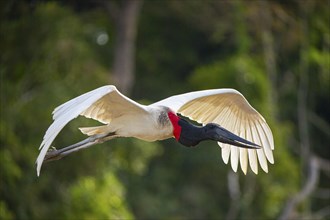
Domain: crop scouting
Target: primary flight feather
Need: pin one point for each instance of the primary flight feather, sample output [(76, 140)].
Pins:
[(226, 116)]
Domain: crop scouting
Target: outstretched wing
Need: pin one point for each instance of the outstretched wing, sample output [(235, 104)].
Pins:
[(102, 104), (229, 108)]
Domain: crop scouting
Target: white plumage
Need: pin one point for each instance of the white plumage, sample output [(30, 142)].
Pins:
[(127, 118)]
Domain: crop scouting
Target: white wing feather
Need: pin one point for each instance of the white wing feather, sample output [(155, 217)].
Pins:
[(102, 104), (231, 110)]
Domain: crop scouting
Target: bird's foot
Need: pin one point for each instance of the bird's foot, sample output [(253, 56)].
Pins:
[(52, 148)]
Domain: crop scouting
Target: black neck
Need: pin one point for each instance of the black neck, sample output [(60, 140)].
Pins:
[(191, 134)]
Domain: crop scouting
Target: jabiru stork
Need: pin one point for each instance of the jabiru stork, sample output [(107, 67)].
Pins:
[(247, 140)]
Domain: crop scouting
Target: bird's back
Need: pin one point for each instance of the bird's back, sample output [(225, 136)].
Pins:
[(151, 125)]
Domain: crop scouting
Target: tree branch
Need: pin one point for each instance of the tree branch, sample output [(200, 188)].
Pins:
[(112, 9), (319, 123), (234, 194), (269, 53), (309, 187), (124, 58)]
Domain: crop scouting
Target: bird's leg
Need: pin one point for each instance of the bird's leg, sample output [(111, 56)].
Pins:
[(90, 141)]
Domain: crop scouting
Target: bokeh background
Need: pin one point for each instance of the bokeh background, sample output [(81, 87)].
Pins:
[(275, 52)]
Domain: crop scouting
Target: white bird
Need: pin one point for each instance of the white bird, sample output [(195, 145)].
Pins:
[(124, 117)]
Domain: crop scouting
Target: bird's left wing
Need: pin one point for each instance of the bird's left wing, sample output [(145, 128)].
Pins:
[(102, 104), (228, 108)]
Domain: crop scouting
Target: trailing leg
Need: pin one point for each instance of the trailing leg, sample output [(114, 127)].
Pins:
[(90, 141)]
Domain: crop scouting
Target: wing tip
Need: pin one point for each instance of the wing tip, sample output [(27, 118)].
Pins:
[(38, 167), (61, 118), (225, 152)]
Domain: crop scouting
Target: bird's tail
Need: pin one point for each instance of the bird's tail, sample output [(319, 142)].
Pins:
[(95, 130)]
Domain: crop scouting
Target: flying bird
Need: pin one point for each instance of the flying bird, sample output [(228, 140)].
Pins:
[(224, 114)]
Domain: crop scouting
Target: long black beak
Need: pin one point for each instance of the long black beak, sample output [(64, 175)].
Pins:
[(222, 135)]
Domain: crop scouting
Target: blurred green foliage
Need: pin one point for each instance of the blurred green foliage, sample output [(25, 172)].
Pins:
[(92, 198), (49, 54)]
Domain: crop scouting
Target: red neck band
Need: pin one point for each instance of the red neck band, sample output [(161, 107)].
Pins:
[(175, 123)]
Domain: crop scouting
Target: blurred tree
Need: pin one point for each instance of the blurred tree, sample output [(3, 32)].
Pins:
[(44, 62), (125, 14), (96, 199), (240, 62), (51, 52)]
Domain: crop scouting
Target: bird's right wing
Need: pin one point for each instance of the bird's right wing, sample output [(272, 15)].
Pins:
[(102, 104), (228, 108)]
